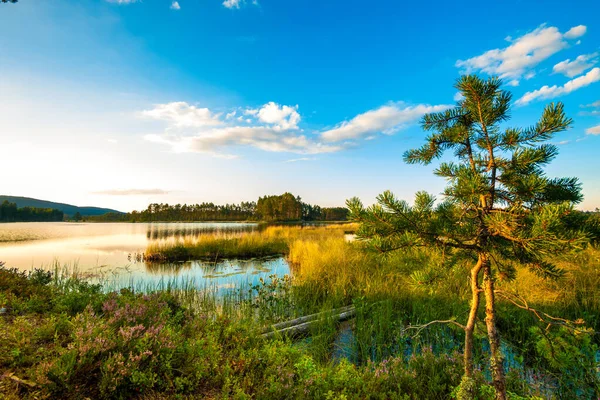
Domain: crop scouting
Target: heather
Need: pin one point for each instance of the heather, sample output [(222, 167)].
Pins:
[(63, 337), (84, 343)]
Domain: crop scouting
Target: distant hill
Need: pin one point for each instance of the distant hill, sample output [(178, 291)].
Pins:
[(68, 209)]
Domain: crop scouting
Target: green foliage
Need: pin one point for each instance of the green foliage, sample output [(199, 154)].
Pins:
[(587, 222), (497, 199), (271, 298), (215, 249), (10, 213), (285, 207), (194, 212), (76, 295), (95, 345), (571, 359), (277, 208), (499, 207), (140, 344), (21, 292)]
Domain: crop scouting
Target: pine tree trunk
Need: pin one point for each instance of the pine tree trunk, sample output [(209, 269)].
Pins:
[(470, 326), (496, 359), (468, 388)]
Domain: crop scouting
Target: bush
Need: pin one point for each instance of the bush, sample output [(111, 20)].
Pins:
[(21, 293), (133, 346)]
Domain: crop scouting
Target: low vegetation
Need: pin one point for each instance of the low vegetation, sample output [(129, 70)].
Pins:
[(271, 241), (68, 339), (61, 337)]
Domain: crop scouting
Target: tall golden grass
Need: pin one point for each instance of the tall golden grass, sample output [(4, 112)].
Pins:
[(274, 240), (327, 268)]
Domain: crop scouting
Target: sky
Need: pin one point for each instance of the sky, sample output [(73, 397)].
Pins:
[(119, 103)]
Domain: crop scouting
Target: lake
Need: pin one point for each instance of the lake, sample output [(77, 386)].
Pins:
[(106, 251)]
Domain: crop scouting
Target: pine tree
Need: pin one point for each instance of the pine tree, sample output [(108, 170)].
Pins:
[(499, 208)]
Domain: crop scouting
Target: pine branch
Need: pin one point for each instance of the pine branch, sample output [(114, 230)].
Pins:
[(521, 302), (420, 328)]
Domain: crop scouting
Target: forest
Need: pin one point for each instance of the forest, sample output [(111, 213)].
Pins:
[(9, 212), (276, 208)]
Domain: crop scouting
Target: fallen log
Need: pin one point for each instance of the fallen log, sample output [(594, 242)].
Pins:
[(300, 327), (281, 325), (15, 378)]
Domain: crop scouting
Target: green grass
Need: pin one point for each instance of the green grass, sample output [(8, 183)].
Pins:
[(213, 348), (214, 249), (64, 338), (272, 241)]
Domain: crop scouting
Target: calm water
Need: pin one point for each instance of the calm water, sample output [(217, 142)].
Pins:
[(105, 251)]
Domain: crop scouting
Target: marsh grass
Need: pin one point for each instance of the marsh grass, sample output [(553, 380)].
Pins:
[(415, 287), (271, 241), (389, 294)]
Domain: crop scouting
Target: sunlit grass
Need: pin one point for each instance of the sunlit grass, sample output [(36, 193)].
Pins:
[(389, 293), (272, 241)]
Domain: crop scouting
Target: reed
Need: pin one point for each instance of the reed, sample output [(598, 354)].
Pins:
[(388, 293), (415, 287), (272, 241)]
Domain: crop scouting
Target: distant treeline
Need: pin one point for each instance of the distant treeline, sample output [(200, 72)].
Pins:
[(9, 212), (285, 207)]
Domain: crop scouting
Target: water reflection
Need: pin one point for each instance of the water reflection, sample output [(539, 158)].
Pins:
[(95, 245), (181, 231), (213, 269), (102, 251), (221, 276)]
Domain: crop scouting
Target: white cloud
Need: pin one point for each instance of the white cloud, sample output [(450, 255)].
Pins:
[(576, 67), (387, 119), (122, 1), (265, 138), (283, 117), (548, 92), (272, 127), (175, 6), (576, 31), (132, 192), (524, 53), (181, 114), (458, 96), (592, 105), (300, 159), (232, 3), (593, 112), (594, 130), (595, 105)]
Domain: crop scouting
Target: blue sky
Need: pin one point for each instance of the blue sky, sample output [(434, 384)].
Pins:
[(122, 103)]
